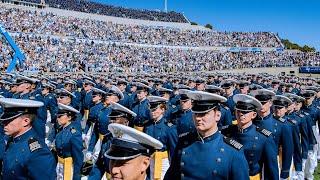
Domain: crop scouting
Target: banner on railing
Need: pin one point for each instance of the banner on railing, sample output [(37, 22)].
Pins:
[(310, 69)]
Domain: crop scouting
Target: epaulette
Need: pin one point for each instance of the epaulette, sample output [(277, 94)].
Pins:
[(292, 121), (264, 131), (282, 120), (225, 127), (233, 143), (301, 115), (169, 124), (318, 107), (183, 134), (37, 94), (73, 130), (307, 114), (34, 144), (32, 98)]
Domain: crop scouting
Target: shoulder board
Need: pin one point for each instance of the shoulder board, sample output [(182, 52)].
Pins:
[(225, 127), (306, 113), (32, 97), (73, 130), (235, 144), (169, 124), (183, 134), (173, 106), (50, 97), (292, 121), (37, 94), (318, 107), (226, 107), (301, 115), (34, 144), (264, 131), (282, 120)]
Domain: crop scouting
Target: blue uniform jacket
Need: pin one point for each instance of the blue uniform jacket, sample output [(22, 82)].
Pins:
[(259, 149), (214, 157), (28, 158), (282, 135), (165, 133), (143, 113), (69, 144)]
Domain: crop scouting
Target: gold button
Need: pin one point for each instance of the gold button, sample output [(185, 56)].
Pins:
[(221, 150), (219, 160), (183, 152), (256, 138)]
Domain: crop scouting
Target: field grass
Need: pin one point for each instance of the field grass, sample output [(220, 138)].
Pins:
[(317, 173)]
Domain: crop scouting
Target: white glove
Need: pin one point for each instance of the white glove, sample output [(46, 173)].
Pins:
[(300, 175), (88, 156)]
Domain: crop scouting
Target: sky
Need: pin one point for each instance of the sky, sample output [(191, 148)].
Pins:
[(296, 20)]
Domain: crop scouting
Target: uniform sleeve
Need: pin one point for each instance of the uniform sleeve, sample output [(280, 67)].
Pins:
[(53, 108), (77, 155), (173, 172), (269, 159), (239, 167), (41, 165), (287, 150), (304, 137), (172, 140)]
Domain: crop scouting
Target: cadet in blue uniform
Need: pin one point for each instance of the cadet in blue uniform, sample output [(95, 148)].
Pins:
[(76, 100), (280, 104), (184, 121), (159, 128), (68, 145), (171, 108), (25, 155), (97, 98), (310, 111), (113, 96), (87, 98), (122, 84), (141, 108), (120, 115), (24, 87), (130, 152), (281, 131), (227, 85), (259, 147), (207, 154), (299, 134)]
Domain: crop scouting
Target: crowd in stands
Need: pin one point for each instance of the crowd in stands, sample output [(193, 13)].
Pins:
[(16, 20), (108, 10), (59, 55), (59, 44)]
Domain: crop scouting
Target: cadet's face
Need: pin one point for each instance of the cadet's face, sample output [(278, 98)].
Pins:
[(112, 98), (141, 95), (206, 121), (228, 91), (244, 117), (280, 112), (45, 91), (185, 105), (265, 107), (66, 100), (87, 87), (23, 87), (244, 90), (14, 127), (200, 86), (63, 119), (96, 98), (120, 120), (298, 106), (133, 88), (155, 114), (133, 169)]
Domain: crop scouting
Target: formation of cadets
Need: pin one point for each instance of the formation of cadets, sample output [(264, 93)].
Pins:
[(155, 126)]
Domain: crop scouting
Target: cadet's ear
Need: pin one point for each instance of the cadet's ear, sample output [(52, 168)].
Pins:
[(145, 163), (254, 115)]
